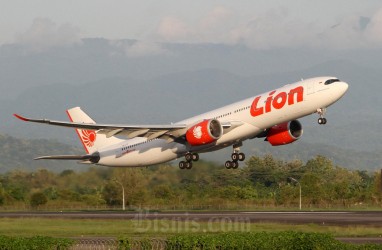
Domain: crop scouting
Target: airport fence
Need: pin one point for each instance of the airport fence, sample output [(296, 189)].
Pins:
[(111, 244), (94, 243)]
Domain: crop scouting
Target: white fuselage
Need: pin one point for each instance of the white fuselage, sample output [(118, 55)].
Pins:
[(255, 114)]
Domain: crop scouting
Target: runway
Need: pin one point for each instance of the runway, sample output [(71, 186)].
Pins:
[(321, 218)]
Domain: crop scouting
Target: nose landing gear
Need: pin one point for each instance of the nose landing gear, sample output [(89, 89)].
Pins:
[(322, 119)]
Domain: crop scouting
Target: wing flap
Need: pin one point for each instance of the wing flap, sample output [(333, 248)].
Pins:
[(113, 132), (156, 134)]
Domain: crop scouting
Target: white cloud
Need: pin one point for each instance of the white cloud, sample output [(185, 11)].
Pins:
[(216, 17), (173, 29), (210, 28), (139, 48), (271, 29), (275, 28), (214, 26), (346, 34), (44, 34), (373, 30)]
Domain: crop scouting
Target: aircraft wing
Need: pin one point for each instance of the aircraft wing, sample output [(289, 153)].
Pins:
[(168, 132)]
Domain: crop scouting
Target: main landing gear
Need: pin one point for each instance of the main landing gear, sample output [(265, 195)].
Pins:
[(322, 119), (190, 157), (236, 157)]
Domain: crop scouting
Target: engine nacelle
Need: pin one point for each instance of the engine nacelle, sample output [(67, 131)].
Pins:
[(284, 133), (204, 132)]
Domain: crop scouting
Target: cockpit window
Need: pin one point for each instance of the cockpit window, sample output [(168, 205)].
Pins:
[(330, 81)]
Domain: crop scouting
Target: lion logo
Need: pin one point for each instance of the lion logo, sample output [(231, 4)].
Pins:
[(197, 132), (88, 137)]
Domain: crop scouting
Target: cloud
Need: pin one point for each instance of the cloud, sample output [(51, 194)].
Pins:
[(353, 32), (274, 28), (373, 30), (347, 34), (173, 29), (216, 18), (144, 48), (212, 27), (44, 34), (139, 48)]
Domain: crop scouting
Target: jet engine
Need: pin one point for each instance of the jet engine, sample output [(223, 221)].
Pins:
[(284, 133), (204, 132)]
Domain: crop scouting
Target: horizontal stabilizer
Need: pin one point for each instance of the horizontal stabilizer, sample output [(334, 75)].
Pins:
[(94, 158)]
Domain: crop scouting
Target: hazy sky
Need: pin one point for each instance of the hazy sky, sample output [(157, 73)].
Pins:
[(256, 23)]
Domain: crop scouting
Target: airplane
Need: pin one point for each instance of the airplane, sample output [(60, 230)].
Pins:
[(272, 115)]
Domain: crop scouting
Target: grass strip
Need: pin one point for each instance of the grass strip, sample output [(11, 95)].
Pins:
[(28, 227)]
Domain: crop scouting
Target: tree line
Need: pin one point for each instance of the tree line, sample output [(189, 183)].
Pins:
[(262, 181)]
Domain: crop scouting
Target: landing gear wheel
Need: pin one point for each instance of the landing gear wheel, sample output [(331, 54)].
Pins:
[(188, 157), (188, 165), (322, 121), (235, 157), (231, 164), (241, 156), (191, 157), (195, 157), (182, 164), (228, 164), (235, 165)]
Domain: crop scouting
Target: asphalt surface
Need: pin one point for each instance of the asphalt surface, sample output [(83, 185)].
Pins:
[(321, 218)]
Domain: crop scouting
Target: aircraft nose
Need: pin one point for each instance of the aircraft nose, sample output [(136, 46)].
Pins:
[(344, 86), (340, 89)]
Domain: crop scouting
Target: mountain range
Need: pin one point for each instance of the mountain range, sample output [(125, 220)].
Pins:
[(18, 154)]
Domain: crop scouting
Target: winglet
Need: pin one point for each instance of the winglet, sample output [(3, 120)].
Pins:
[(21, 118)]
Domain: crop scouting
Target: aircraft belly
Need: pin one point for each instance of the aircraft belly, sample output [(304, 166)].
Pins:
[(144, 156)]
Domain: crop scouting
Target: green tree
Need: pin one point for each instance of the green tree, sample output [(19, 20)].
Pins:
[(319, 165), (163, 192), (38, 199), (377, 191), (112, 194), (2, 196), (134, 181)]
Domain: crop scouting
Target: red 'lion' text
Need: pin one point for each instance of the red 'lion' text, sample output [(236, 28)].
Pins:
[(278, 101)]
